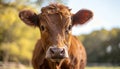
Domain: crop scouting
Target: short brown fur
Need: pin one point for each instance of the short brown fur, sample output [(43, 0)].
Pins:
[(55, 22)]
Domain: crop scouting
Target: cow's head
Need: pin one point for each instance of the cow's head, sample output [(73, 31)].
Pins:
[(55, 22)]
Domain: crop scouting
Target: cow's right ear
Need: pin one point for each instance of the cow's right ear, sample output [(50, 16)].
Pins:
[(82, 16), (29, 17)]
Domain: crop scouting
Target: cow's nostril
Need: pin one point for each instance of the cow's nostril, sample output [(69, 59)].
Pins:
[(62, 51), (52, 51)]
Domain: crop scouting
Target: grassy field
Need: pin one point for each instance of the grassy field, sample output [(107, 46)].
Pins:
[(102, 67), (95, 67)]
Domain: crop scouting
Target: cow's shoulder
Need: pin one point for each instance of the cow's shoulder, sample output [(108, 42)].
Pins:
[(77, 53), (38, 54)]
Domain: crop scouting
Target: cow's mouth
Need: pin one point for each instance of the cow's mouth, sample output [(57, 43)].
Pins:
[(57, 61)]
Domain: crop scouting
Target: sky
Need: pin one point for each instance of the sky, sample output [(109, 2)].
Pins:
[(106, 14)]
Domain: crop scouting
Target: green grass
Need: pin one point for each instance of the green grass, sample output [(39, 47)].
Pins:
[(29, 67), (102, 67)]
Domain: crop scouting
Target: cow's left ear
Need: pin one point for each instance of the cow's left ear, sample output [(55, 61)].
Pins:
[(29, 17), (81, 17)]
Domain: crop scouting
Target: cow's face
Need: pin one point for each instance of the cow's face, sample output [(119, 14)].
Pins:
[(55, 23)]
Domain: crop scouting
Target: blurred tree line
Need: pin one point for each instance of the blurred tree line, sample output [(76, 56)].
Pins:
[(102, 46), (17, 40)]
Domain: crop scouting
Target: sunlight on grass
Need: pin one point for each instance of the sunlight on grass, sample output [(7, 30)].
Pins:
[(102, 67), (29, 68)]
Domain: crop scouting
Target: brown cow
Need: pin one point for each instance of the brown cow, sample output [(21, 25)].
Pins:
[(57, 48)]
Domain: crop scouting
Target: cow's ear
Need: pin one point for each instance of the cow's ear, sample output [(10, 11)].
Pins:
[(29, 17), (82, 16)]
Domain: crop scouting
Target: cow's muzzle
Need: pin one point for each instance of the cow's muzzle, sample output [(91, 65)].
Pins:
[(57, 54)]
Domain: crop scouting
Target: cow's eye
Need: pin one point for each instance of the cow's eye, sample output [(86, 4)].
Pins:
[(69, 27), (42, 28)]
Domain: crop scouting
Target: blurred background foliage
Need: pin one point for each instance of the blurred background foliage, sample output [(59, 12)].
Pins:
[(17, 40), (102, 46)]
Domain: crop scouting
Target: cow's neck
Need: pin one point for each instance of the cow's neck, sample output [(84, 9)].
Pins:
[(58, 65), (55, 65)]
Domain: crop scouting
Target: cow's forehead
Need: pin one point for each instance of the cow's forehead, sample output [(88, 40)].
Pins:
[(56, 8), (56, 15)]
